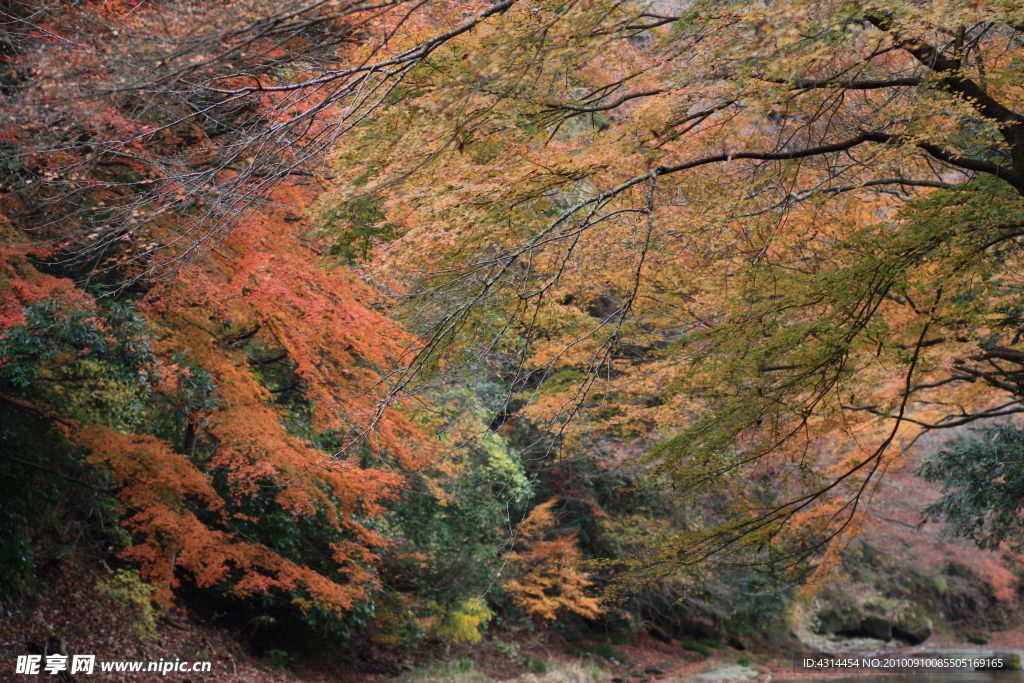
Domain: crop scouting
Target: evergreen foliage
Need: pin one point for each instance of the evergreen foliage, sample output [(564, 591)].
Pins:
[(982, 476)]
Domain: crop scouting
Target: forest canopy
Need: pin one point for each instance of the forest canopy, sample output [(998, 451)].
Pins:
[(340, 308), (775, 241)]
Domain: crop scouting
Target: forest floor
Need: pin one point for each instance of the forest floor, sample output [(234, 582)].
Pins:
[(68, 615)]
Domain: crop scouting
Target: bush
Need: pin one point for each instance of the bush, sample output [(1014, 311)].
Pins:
[(130, 594), (534, 665)]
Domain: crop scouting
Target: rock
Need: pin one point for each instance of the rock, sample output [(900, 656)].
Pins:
[(729, 673), (839, 620), (876, 627), (912, 628), (875, 620)]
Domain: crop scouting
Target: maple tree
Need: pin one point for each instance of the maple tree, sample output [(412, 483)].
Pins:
[(234, 409), (551, 580), (171, 323), (148, 132), (218, 479), (777, 241)]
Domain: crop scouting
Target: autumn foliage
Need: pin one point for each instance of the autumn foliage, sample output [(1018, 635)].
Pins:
[(239, 415), (550, 579), (771, 242), (328, 295), (226, 444), (204, 353)]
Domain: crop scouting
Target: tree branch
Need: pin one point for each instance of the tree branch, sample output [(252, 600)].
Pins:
[(952, 79), (605, 107), (58, 472), (766, 156), (852, 84), (32, 410), (966, 163)]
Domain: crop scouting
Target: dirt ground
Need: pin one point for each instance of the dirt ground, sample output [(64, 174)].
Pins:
[(65, 617)]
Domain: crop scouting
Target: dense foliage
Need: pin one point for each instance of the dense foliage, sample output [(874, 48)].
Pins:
[(176, 358), (766, 244), (983, 485), (386, 316)]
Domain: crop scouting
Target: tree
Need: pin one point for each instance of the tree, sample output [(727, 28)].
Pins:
[(751, 233), (210, 403), (148, 133), (207, 401), (983, 486), (549, 580), (738, 236), (235, 410)]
